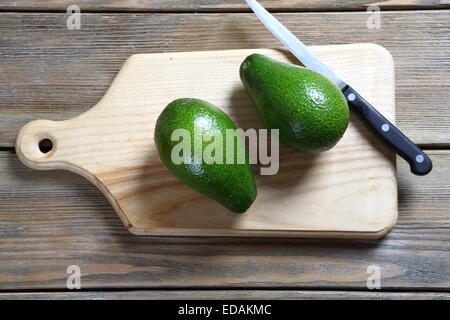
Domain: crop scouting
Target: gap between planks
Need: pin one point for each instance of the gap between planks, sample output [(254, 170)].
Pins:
[(206, 6), (243, 10), (225, 294)]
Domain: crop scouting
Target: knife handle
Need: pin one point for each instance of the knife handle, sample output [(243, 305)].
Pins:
[(419, 162)]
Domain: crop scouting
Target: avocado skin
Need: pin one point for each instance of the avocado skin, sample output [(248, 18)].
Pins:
[(309, 110), (232, 185)]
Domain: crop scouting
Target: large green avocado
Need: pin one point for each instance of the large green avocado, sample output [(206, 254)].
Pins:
[(230, 184), (309, 110)]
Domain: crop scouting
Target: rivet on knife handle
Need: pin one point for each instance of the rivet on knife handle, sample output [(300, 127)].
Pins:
[(419, 162)]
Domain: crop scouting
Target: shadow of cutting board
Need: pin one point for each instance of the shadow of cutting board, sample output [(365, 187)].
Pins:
[(349, 191)]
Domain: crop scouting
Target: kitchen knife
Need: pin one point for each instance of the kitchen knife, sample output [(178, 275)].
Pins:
[(419, 162)]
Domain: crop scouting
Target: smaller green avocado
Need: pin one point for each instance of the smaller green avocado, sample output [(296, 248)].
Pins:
[(309, 110), (231, 183)]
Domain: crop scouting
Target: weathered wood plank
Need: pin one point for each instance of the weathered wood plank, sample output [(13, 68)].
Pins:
[(48, 71), (225, 294), (52, 219), (212, 5)]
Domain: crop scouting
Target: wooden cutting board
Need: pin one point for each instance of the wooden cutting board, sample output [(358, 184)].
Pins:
[(349, 191)]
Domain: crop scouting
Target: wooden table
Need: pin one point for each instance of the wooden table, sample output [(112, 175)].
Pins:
[(51, 220)]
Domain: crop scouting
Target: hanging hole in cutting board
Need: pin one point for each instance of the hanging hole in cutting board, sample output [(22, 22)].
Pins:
[(45, 145)]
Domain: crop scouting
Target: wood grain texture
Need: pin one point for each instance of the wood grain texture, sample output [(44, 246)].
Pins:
[(226, 295), (334, 194), (212, 5), (50, 220), (51, 72)]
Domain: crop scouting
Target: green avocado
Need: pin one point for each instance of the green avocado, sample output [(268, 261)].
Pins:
[(188, 153), (309, 110)]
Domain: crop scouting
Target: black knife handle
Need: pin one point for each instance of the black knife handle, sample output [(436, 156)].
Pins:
[(419, 162)]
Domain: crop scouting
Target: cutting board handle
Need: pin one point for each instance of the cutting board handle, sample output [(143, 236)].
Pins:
[(37, 144)]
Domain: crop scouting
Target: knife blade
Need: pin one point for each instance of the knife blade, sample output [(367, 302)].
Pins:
[(419, 162)]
